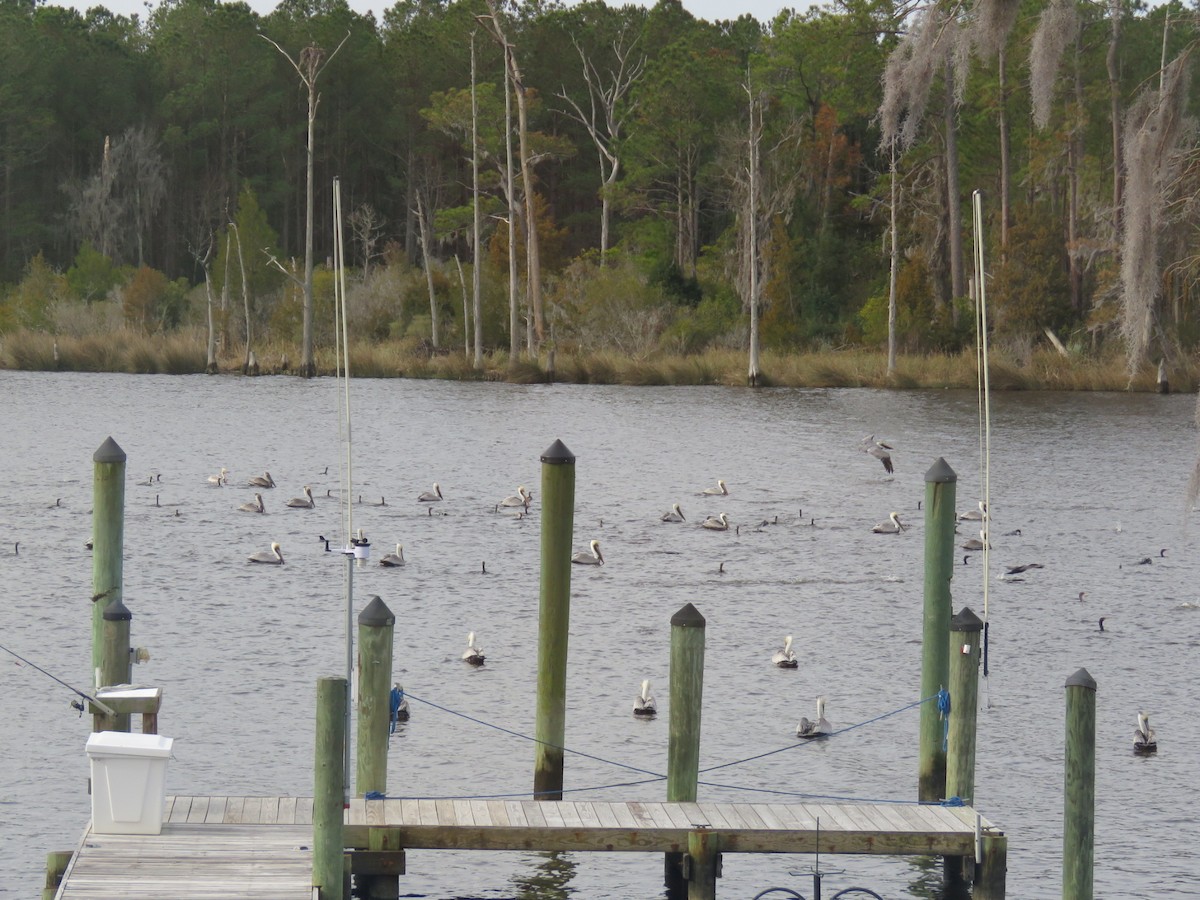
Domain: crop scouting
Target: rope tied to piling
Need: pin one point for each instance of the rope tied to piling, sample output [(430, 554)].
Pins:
[(395, 701), (943, 705)]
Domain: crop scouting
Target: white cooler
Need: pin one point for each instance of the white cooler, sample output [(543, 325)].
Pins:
[(129, 773)]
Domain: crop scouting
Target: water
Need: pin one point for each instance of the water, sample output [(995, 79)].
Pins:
[(1095, 483)]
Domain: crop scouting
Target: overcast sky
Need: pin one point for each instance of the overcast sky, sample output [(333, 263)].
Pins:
[(762, 10)]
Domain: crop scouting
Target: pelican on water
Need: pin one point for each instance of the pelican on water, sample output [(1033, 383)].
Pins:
[(256, 506), (264, 480), (719, 491), (974, 515), (592, 558), (1144, 740), (521, 498), (393, 560), (473, 654), (305, 502), (892, 526), (674, 514), (273, 557), (643, 703), (879, 450), (819, 728), (785, 658), (430, 496), (974, 543), (220, 478), (716, 523)]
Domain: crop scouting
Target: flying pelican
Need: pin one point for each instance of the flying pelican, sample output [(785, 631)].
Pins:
[(785, 658), (817, 729), (719, 491), (892, 526), (974, 515), (1017, 570), (272, 558), (594, 558), (430, 496), (264, 480), (305, 502), (974, 543), (716, 523), (879, 450), (220, 478), (674, 514), (256, 506), (643, 703), (521, 498), (473, 654), (1144, 740), (393, 560)]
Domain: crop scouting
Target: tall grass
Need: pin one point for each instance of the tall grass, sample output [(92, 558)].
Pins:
[(184, 352)]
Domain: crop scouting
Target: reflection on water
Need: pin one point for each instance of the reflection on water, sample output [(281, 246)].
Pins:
[(548, 879)]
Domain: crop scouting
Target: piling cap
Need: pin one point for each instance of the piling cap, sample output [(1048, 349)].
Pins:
[(941, 473), (688, 617), (109, 452), (1082, 679), (376, 614), (117, 612), (557, 454), (966, 621)]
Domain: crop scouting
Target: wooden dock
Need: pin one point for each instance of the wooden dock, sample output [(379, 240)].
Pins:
[(260, 847)]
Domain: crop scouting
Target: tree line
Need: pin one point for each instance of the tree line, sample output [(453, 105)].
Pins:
[(605, 177)]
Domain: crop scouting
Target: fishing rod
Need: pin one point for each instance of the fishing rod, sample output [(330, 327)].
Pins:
[(108, 711)]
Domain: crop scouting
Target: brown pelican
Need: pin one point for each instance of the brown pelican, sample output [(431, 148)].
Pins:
[(674, 514), (392, 560), (817, 729), (220, 478), (264, 480), (785, 658), (643, 703), (974, 543), (305, 502), (1017, 570), (719, 491), (430, 496), (716, 523), (256, 506), (1144, 740), (272, 558), (521, 498), (592, 558), (473, 654), (892, 526), (974, 515), (879, 450)]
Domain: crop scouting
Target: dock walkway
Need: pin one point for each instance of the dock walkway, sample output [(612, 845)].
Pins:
[(259, 848)]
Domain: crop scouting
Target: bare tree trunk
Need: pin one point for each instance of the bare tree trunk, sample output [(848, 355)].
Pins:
[(1074, 158), (533, 262), (1005, 154), (246, 366), (1114, 92), (427, 261), (893, 267), (466, 310), (514, 345), (225, 290), (477, 293), (752, 250), (958, 280)]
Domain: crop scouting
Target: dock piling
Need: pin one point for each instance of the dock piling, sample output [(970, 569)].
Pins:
[(1079, 802), (703, 864), (965, 630), (116, 663), (683, 743), (108, 538), (992, 871), (376, 627), (327, 821), (558, 520), (940, 490)]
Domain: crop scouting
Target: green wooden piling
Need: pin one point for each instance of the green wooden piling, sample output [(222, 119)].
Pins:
[(703, 865), (328, 846), (1079, 807), (108, 537), (558, 519), (965, 631), (683, 743), (993, 868), (376, 626), (116, 664), (940, 488), (56, 866)]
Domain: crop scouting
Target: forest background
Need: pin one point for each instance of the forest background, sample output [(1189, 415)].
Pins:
[(650, 187)]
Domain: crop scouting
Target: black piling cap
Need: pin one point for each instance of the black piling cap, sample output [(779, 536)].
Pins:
[(688, 617), (117, 612), (966, 621), (557, 454), (109, 452), (1082, 679), (941, 473), (376, 614)]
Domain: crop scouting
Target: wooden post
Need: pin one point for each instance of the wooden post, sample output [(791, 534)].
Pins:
[(328, 846), (56, 866), (1079, 807), (965, 629), (558, 521), (993, 866), (703, 864), (683, 745), (115, 662), (376, 626), (940, 487), (108, 537)]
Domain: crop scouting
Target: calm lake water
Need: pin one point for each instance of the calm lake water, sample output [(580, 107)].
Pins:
[(1095, 483)]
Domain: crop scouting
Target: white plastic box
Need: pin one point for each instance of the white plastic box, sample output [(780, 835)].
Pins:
[(129, 774)]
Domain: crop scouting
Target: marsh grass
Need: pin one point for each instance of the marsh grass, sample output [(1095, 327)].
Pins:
[(184, 353)]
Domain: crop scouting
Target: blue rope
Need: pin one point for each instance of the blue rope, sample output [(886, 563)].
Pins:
[(943, 702), (395, 701)]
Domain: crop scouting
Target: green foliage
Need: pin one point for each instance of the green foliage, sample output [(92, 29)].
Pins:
[(1028, 291), (614, 306), (150, 302), (93, 274), (29, 304)]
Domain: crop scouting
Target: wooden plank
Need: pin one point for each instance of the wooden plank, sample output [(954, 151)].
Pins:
[(393, 812), (623, 815), (605, 817), (198, 810), (481, 813), (252, 811), (642, 815), (216, 810), (427, 812), (507, 812), (287, 811), (552, 812), (410, 811), (445, 812), (570, 815), (588, 817), (534, 816), (677, 814), (233, 810), (180, 809), (766, 814), (462, 813)]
